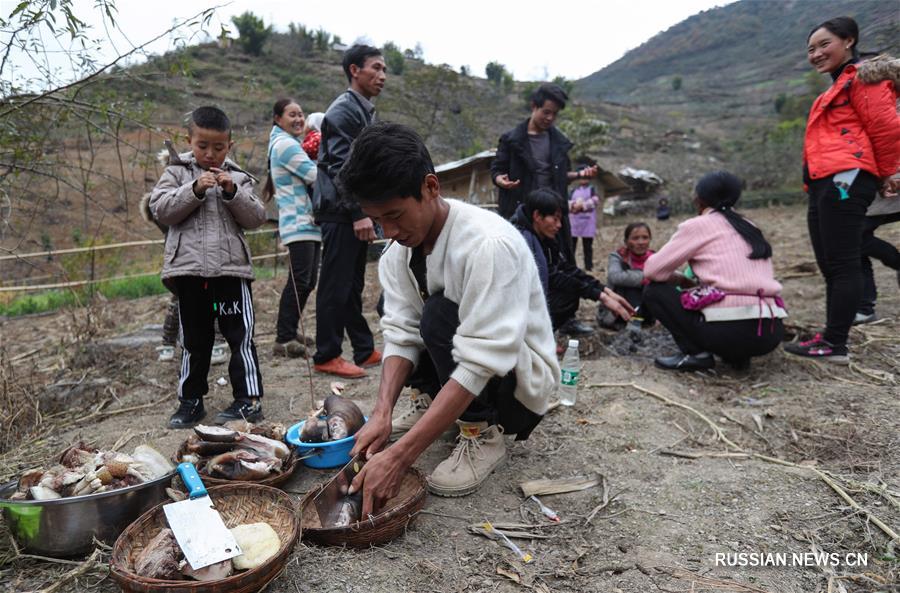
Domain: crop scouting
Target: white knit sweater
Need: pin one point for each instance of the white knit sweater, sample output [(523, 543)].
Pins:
[(482, 263)]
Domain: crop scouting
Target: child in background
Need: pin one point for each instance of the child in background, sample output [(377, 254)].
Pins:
[(583, 218), (662, 210), (206, 201), (313, 136)]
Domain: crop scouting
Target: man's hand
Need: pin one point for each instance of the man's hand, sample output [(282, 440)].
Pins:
[(616, 303), (373, 436), (364, 229), (206, 180), (379, 481), (503, 182), (223, 178)]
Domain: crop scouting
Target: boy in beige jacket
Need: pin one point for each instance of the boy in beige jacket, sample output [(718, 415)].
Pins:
[(206, 200)]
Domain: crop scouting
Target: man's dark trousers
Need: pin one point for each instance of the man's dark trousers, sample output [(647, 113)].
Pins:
[(496, 404), (339, 298)]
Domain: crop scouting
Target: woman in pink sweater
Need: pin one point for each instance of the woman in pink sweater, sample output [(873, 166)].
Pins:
[(736, 311)]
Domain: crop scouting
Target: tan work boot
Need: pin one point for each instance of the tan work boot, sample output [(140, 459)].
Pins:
[(480, 449), (418, 403)]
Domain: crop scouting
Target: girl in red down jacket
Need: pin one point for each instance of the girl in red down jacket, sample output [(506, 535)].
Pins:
[(851, 149)]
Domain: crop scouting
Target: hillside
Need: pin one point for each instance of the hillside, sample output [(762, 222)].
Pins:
[(735, 59)]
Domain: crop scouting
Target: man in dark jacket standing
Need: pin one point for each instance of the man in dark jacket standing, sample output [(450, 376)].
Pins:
[(346, 231), (535, 154)]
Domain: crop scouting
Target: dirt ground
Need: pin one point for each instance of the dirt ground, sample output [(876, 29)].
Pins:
[(676, 500)]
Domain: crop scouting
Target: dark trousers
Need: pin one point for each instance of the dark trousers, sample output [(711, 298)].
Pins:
[(836, 232), (496, 404), (562, 307), (202, 302), (733, 341), (881, 250), (587, 246), (304, 262), (339, 298)]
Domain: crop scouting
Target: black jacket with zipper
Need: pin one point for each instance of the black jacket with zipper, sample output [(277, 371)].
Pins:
[(344, 120), (514, 159)]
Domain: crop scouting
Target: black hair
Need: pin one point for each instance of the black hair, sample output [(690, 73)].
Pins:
[(544, 201), (386, 161), (549, 92), (209, 117), (280, 105), (268, 191), (358, 54), (637, 225), (843, 27), (720, 191)]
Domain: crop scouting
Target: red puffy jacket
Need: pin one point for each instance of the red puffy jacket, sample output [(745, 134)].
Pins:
[(854, 124)]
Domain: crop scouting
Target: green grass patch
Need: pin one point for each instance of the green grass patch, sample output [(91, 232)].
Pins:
[(51, 300), (124, 289)]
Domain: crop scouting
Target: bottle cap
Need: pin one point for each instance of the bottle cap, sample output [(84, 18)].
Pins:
[(573, 343)]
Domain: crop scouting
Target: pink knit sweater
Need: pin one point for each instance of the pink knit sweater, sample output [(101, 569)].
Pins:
[(718, 256)]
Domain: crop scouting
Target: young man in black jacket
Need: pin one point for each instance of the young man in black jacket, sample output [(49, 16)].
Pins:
[(539, 219), (534, 155), (346, 231)]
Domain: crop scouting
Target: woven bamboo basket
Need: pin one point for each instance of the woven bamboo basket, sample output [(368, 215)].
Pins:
[(275, 480), (399, 512), (238, 503)]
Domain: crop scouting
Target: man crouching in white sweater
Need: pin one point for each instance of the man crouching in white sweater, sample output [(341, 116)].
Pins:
[(465, 319)]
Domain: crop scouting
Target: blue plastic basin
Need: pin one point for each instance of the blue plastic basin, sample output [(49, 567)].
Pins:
[(330, 453)]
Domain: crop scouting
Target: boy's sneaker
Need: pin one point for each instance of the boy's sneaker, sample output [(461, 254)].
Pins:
[(418, 403), (863, 318), (479, 451), (219, 355), (241, 409), (166, 353), (820, 349), (190, 413)]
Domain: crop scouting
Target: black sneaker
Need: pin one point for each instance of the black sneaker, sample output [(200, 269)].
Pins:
[(190, 413), (240, 409), (573, 327), (820, 349), (686, 362)]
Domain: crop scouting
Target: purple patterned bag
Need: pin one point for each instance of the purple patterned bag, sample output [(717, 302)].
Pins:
[(700, 297)]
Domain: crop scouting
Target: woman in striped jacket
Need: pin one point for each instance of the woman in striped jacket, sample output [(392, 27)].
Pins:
[(291, 175)]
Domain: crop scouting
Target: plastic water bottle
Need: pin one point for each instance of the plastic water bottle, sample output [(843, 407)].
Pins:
[(571, 368)]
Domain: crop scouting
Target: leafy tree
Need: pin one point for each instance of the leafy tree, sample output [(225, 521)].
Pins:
[(253, 32), (101, 145), (393, 58), (588, 132), (433, 100), (494, 72), (464, 70), (322, 40), (676, 83)]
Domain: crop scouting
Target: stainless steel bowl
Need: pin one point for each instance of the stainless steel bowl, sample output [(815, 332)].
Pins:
[(65, 527)]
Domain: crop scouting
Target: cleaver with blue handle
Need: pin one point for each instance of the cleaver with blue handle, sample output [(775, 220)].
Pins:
[(197, 525)]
